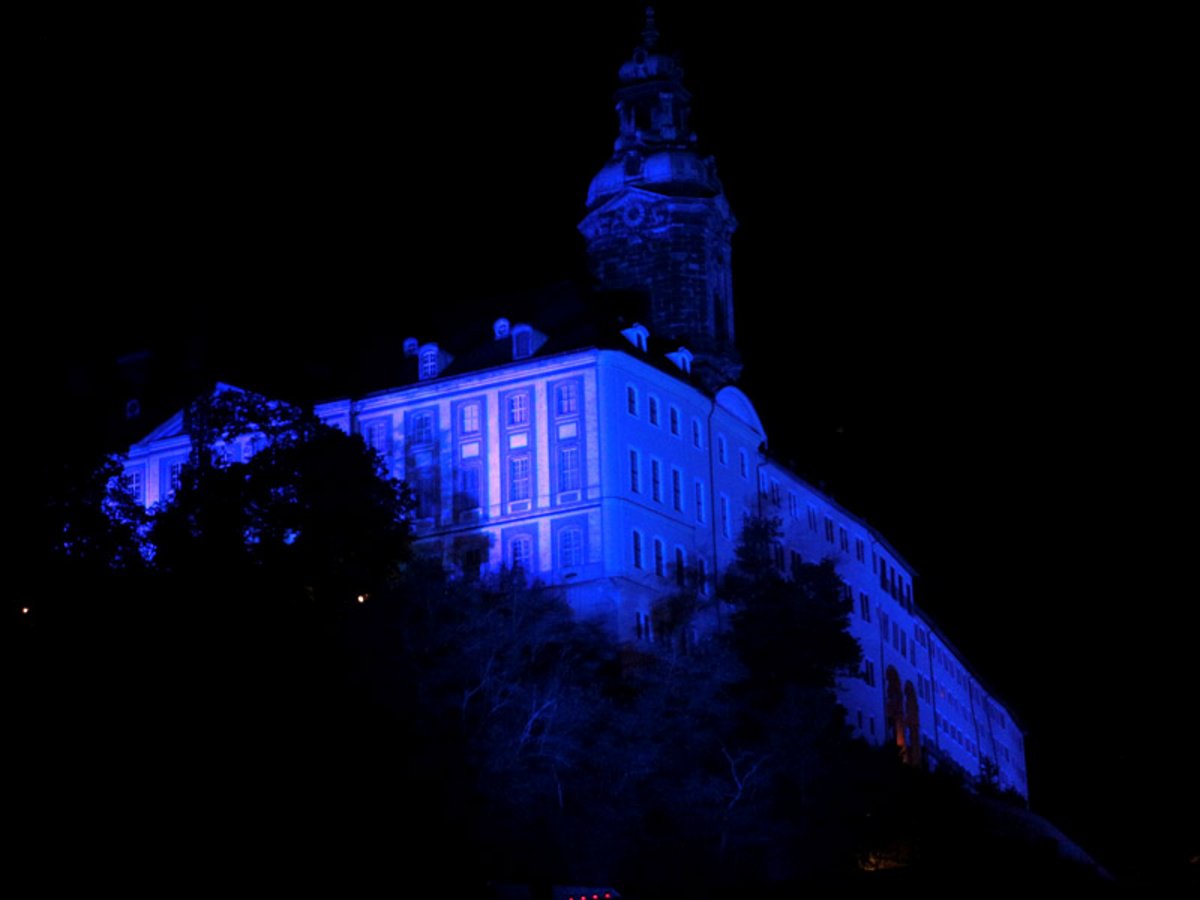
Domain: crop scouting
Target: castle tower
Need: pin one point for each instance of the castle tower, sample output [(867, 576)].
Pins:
[(657, 219)]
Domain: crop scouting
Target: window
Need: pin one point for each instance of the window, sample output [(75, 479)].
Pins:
[(518, 409), (568, 468), (521, 552), (660, 563), (136, 481), (812, 518), (644, 628), (744, 462), (702, 574), (829, 529), (674, 419), (635, 472), (869, 673), (776, 497), (470, 418), (843, 540), (637, 550), (872, 726), (864, 607), (631, 400), (793, 505), (429, 362), (725, 516), (468, 488), (653, 410), (860, 550), (680, 566), (567, 399), (696, 441), (375, 434), (422, 428), (656, 480), (883, 574), (570, 547), (518, 478), (677, 490), (699, 501), (904, 643), (722, 456)]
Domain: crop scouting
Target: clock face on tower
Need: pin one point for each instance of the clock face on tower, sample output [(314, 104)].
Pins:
[(635, 213)]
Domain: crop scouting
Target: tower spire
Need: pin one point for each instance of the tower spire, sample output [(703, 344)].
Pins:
[(650, 32), (657, 221)]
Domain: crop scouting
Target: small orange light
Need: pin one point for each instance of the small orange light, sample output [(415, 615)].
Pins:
[(362, 598), (24, 610)]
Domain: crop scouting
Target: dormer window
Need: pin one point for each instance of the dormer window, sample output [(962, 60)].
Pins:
[(410, 346), (637, 335), (683, 359), (500, 329), (522, 337), (429, 362)]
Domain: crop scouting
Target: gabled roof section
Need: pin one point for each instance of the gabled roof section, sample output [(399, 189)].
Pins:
[(737, 404), (174, 426)]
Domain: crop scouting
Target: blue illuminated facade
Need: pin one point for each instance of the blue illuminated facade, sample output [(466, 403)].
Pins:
[(618, 465)]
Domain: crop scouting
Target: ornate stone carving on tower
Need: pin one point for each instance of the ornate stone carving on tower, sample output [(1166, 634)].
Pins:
[(657, 219)]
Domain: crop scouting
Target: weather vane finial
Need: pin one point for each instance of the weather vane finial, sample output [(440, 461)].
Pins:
[(650, 32)]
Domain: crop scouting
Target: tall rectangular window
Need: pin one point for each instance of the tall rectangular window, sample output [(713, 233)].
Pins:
[(468, 488), (137, 484), (522, 552), (653, 410), (697, 440), (570, 547), (519, 483), (864, 607), (660, 562), (568, 468), (677, 490), (869, 672), (829, 529), (631, 400), (722, 454), (744, 463), (725, 530), (702, 574), (518, 409), (422, 428), (793, 505), (375, 434), (470, 418), (674, 416), (635, 466), (656, 480), (680, 567), (843, 540), (859, 550), (567, 402), (812, 518), (699, 501), (637, 549)]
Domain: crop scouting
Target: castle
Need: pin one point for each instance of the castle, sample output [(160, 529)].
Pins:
[(610, 453)]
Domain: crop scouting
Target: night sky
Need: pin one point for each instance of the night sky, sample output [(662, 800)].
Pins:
[(950, 283)]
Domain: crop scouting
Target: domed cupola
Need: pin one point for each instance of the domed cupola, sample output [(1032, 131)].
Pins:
[(657, 217)]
